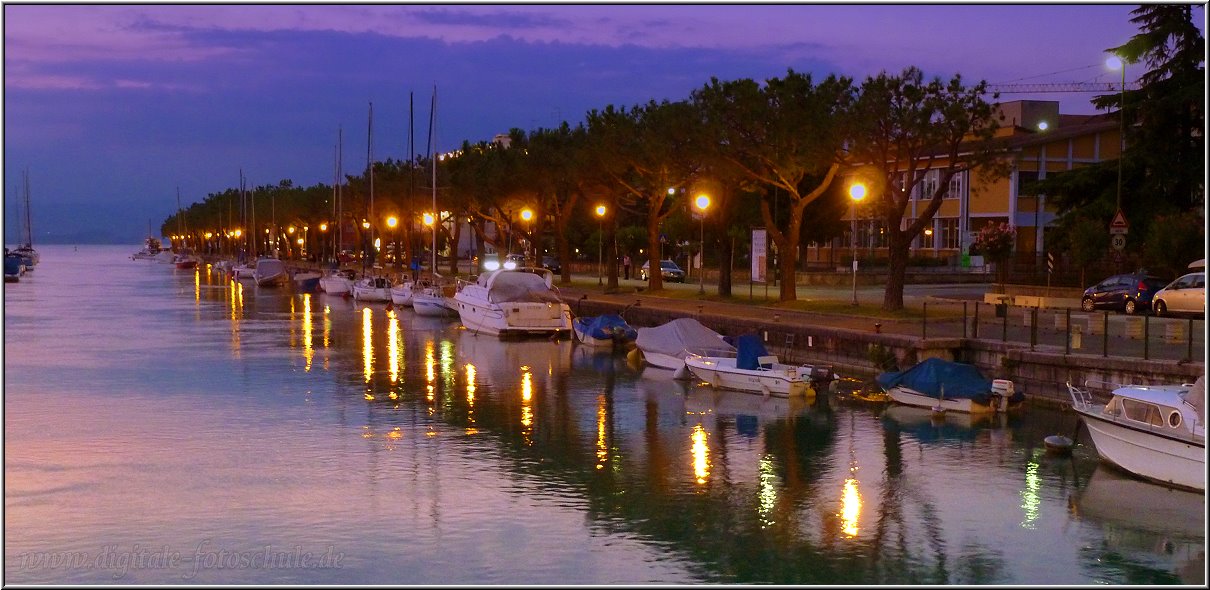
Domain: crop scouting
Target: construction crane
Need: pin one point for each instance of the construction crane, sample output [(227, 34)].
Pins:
[(1104, 87)]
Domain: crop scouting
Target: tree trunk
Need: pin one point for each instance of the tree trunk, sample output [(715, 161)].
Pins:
[(897, 253), (726, 255), (655, 279), (454, 235)]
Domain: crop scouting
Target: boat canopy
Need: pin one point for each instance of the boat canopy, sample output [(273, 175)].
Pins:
[(607, 326), (1196, 397), (749, 349), (960, 381), (679, 335), (509, 286)]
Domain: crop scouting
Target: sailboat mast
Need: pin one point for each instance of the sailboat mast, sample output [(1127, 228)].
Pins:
[(29, 227), (411, 176), (370, 175), (179, 216), (340, 183), (433, 150)]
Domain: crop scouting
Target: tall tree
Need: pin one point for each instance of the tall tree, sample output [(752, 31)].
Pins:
[(787, 135), (903, 127)]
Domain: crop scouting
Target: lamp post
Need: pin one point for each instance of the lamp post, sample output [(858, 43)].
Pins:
[(431, 221), (702, 202), (1116, 63), (856, 193), (323, 229), (600, 240), (527, 216), (392, 221)]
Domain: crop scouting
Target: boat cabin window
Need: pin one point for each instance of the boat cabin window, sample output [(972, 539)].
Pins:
[(1142, 412), (1174, 419)]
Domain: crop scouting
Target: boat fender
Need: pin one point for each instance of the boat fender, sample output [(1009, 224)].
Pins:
[(635, 355)]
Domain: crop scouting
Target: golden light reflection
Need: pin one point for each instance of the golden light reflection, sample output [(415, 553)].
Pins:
[(527, 411), (308, 350), (430, 370), (470, 397), (237, 305), (701, 454), (850, 507), (367, 343), (602, 442), (197, 284), (448, 371), (395, 434), (1030, 501), (768, 492), (393, 346)]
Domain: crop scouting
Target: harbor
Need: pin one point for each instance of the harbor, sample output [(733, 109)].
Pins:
[(182, 414)]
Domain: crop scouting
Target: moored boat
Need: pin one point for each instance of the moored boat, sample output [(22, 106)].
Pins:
[(667, 345), (14, 267), (1156, 432), (270, 272), (432, 301), (337, 282), (372, 289), (508, 302), (401, 292), (754, 370), (946, 385), (606, 330), (306, 281), (186, 258)]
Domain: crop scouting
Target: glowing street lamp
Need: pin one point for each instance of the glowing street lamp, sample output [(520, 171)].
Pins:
[(856, 193), (431, 221), (600, 240), (702, 202), (392, 221), (527, 216)]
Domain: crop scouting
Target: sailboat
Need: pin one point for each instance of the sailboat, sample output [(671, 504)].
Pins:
[(371, 288), (337, 281), (29, 256)]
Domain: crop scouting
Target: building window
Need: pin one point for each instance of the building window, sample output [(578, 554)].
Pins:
[(955, 191), (949, 233), (1025, 181)]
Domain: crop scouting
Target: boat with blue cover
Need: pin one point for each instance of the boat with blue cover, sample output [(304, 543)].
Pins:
[(947, 385), (606, 330), (751, 368)]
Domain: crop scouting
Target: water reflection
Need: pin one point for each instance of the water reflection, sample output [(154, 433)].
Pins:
[(583, 468)]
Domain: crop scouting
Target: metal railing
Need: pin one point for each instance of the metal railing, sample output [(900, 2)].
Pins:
[(1103, 333)]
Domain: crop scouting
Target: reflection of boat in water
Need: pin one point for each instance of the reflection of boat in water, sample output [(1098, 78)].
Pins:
[(1155, 432), (501, 364), (926, 426), (735, 403), (1140, 518)]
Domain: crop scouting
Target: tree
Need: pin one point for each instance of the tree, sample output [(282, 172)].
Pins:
[(995, 243), (903, 128), (787, 136)]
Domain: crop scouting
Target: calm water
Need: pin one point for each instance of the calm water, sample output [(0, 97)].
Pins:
[(163, 426)]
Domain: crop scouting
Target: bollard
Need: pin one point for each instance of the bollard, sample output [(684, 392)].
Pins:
[(877, 327), (1077, 336)]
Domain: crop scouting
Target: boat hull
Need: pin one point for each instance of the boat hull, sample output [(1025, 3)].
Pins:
[(1150, 455), (513, 319), (432, 307), (334, 285), (911, 397), (663, 361), (780, 381)]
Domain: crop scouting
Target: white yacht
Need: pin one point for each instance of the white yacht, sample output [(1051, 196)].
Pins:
[(506, 302)]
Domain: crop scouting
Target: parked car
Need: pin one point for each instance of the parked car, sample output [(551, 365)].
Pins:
[(668, 269), (514, 261), (552, 264), (1130, 293), (1184, 295)]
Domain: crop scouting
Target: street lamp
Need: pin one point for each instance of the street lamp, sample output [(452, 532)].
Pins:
[(392, 221), (431, 221), (856, 193), (702, 202), (600, 240), (527, 215)]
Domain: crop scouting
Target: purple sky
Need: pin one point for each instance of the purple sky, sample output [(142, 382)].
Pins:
[(111, 108)]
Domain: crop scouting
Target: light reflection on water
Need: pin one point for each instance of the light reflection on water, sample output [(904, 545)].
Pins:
[(173, 409)]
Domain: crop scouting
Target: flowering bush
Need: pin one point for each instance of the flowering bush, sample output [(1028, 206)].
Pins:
[(995, 242)]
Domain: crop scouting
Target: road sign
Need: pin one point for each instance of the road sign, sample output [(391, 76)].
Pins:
[(1050, 262), (1119, 225), (1119, 242)]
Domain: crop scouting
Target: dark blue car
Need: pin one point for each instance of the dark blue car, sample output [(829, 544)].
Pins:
[(1130, 293)]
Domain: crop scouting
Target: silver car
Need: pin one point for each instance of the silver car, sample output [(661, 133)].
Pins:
[(1184, 295)]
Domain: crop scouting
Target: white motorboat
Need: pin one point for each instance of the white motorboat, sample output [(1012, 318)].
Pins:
[(505, 302), (1156, 432), (949, 386), (372, 289), (306, 281), (667, 345), (337, 282), (270, 272), (433, 301), (165, 256), (244, 271), (754, 370), (401, 293)]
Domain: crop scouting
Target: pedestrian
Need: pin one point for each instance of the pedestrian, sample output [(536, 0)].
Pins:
[(626, 266)]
